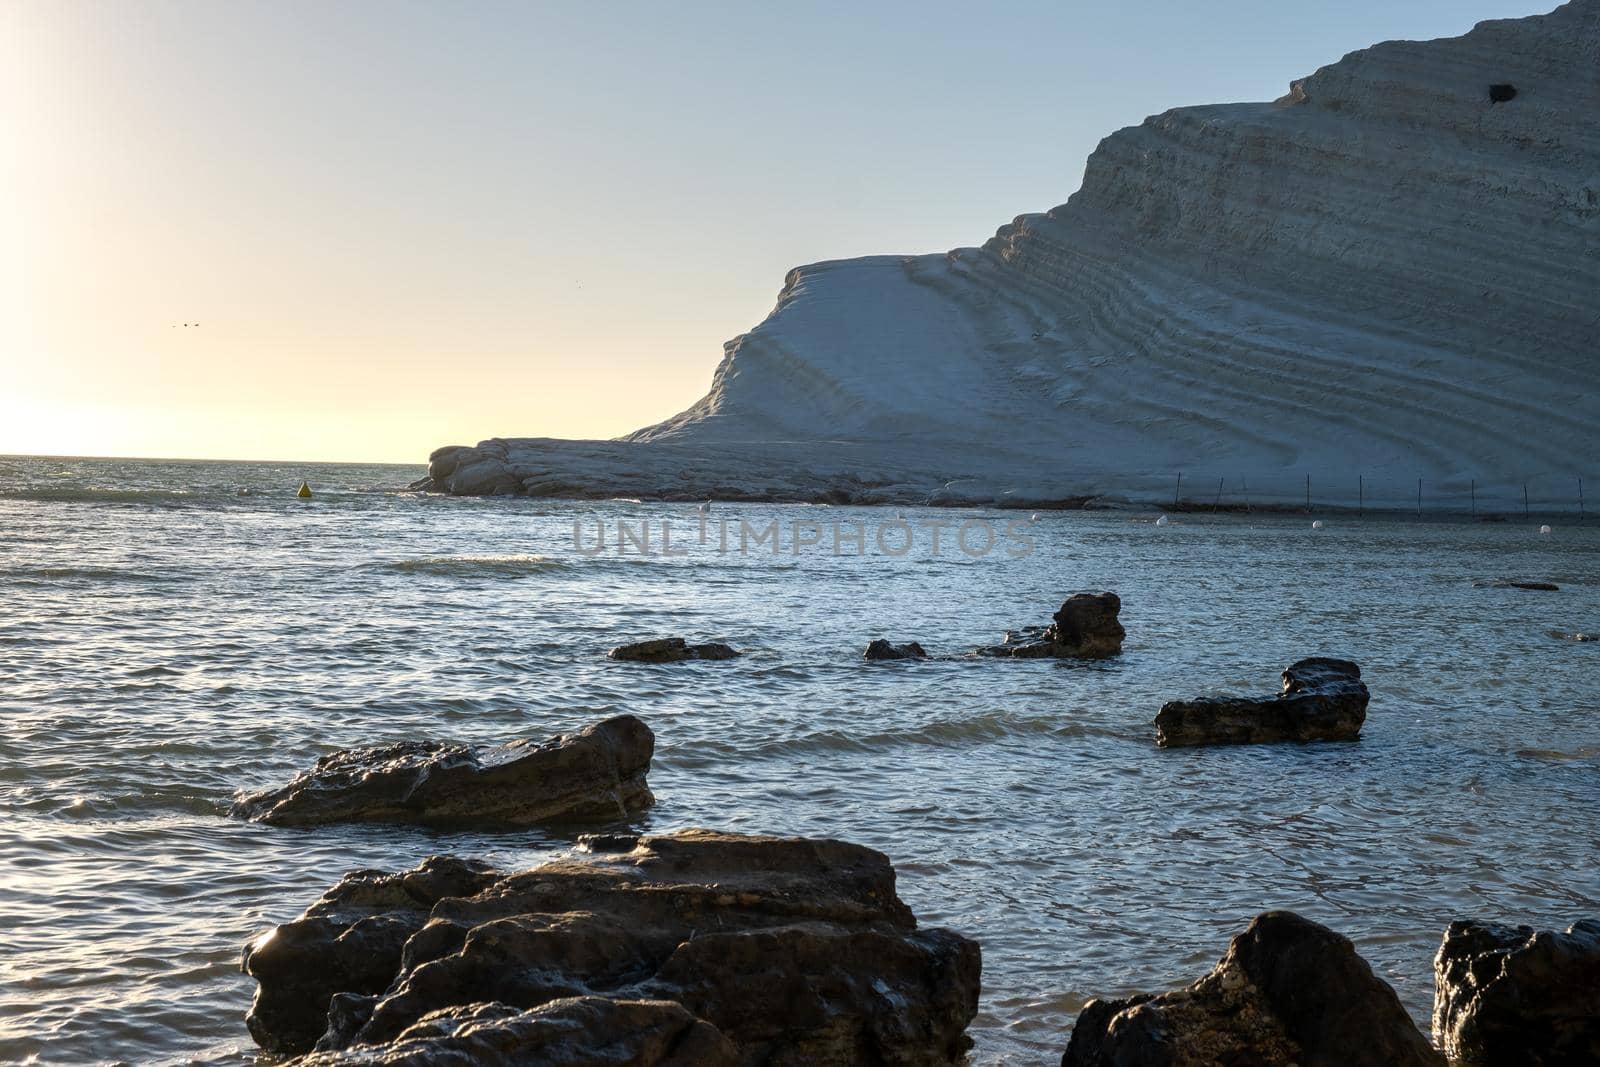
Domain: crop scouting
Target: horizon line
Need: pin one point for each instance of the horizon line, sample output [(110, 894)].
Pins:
[(214, 459)]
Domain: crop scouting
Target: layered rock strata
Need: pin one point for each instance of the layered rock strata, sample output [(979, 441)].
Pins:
[(795, 951)]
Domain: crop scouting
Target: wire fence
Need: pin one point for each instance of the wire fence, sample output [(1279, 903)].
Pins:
[(1488, 498)]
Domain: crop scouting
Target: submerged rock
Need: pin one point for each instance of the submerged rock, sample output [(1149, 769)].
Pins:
[(576, 1032), (1562, 635), (1322, 700), (796, 950), (1288, 992), (881, 649), (1515, 583), (598, 772), (1510, 994), (1086, 627), (671, 650)]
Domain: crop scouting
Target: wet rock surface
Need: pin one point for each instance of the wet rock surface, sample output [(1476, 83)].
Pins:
[(1288, 992), (798, 951), (1576, 635), (1322, 699), (882, 649), (573, 1032), (1086, 627), (671, 650), (598, 772), (1511, 994)]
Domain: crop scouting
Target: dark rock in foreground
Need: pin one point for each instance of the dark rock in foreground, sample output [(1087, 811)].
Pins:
[(573, 1032), (1288, 992), (798, 951), (1515, 583), (1510, 994), (1322, 700), (881, 649), (671, 650), (1086, 627), (598, 772), (346, 944)]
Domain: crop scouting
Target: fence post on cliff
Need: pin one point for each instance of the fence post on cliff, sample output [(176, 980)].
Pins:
[(1177, 491), (1245, 489), (1525, 512), (1218, 504)]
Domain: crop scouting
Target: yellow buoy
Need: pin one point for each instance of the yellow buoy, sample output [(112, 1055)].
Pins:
[(305, 491)]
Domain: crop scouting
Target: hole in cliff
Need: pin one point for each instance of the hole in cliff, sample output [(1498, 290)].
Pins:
[(1499, 94)]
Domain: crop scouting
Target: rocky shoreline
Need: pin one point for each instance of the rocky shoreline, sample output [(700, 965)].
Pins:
[(706, 947), (700, 947)]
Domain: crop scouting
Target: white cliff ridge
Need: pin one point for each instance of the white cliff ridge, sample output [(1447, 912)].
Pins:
[(1390, 275)]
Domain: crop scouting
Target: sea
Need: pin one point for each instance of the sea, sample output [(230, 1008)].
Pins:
[(174, 633)]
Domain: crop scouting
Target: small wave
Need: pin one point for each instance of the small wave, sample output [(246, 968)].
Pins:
[(1583, 752), (978, 729), (94, 574), (475, 566), (103, 495)]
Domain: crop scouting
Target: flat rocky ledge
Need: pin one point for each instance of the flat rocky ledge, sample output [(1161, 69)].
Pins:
[(598, 772), (1322, 699), (784, 950)]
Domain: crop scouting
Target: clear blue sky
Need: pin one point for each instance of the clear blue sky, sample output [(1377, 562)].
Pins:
[(405, 224)]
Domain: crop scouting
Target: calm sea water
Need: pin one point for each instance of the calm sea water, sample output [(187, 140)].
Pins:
[(171, 633)]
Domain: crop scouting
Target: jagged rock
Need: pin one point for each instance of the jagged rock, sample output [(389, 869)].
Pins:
[(881, 649), (1288, 993), (349, 941), (1086, 627), (1515, 583), (798, 951), (1562, 635), (1513, 995), (1322, 700), (671, 650), (598, 772), (574, 1032), (1393, 257)]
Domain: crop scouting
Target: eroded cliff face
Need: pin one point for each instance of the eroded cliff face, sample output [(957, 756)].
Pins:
[(1392, 273)]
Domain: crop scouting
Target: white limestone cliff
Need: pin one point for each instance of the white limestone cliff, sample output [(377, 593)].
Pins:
[(1387, 275)]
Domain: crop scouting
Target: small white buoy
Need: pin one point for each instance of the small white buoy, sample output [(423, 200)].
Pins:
[(1544, 529), (1035, 517), (1162, 521), (705, 507), (1316, 524)]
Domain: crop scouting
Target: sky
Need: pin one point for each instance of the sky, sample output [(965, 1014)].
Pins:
[(402, 225)]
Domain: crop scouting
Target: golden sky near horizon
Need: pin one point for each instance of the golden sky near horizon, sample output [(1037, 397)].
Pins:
[(400, 225)]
